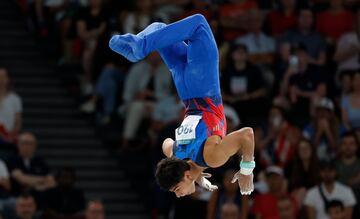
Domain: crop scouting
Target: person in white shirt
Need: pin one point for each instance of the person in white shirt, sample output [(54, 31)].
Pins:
[(10, 110), (318, 197)]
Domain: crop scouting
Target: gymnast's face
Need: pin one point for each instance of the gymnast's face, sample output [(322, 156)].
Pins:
[(185, 187)]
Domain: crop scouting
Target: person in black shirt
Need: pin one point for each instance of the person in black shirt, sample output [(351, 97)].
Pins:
[(303, 82), (244, 85), (91, 25), (29, 172), (64, 201)]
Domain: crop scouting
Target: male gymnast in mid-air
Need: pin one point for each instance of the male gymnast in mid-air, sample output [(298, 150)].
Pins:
[(189, 50)]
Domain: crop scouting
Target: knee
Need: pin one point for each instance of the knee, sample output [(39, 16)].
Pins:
[(247, 132)]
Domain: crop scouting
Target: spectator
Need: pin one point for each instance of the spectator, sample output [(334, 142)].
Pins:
[(28, 171), (304, 35), (303, 172), (282, 19), (91, 25), (10, 111), (336, 210), (230, 211), (348, 165), (350, 105), (286, 208), (265, 205), (147, 82), (319, 196), (243, 85), (324, 130), (304, 82), (95, 210), (228, 193), (140, 18), (261, 47), (234, 17), (279, 139), (335, 21), (348, 49), (64, 201)]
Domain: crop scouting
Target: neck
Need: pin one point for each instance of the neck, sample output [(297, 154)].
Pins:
[(329, 186), (240, 65), (306, 164), (288, 11), (195, 170), (3, 92)]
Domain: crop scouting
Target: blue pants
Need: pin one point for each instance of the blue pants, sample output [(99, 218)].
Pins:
[(107, 87), (187, 47)]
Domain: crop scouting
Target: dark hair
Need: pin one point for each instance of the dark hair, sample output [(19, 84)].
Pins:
[(335, 204), (170, 171)]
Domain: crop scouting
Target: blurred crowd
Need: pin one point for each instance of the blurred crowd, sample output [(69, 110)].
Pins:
[(288, 68)]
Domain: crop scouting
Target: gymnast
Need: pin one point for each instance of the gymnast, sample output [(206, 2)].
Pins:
[(189, 50)]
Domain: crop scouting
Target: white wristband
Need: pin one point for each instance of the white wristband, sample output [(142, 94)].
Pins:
[(246, 171)]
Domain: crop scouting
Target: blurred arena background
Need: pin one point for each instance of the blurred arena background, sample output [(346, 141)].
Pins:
[(81, 128)]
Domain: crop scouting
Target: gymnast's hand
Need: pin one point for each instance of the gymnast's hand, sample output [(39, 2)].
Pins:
[(205, 183), (246, 183), (127, 45)]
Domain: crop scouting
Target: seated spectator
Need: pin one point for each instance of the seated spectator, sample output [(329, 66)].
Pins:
[(139, 19), (347, 53), (95, 210), (324, 129), (230, 211), (336, 210), (278, 140), (227, 193), (234, 17), (265, 205), (303, 171), (335, 21), (304, 82), (304, 35), (329, 189), (147, 82), (90, 25), (5, 186), (29, 172), (10, 111), (286, 208), (243, 85), (261, 47), (282, 19), (348, 164), (350, 105), (345, 80), (64, 201)]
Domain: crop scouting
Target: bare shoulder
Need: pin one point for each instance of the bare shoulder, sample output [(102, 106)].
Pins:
[(167, 147)]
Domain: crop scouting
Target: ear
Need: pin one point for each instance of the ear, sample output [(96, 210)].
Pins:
[(187, 175)]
